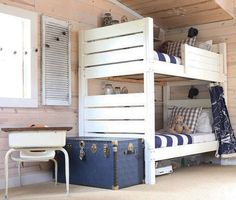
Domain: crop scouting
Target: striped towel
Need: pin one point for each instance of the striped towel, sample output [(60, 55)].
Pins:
[(170, 139), (166, 58)]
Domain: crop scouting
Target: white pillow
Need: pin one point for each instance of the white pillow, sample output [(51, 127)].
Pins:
[(207, 45), (205, 121)]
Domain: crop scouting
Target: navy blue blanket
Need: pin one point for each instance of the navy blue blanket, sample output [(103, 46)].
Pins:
[(170, 140), (221, 123)]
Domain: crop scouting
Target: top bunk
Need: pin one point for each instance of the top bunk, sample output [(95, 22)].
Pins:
[(128, 48)]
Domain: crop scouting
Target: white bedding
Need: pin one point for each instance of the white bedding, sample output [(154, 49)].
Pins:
[(165, 139), (203, 137)]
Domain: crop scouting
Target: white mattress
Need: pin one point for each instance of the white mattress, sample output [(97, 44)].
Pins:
[(203, 137)]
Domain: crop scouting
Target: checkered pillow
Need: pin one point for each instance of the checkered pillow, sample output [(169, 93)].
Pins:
[(174, 48), (190, 116)]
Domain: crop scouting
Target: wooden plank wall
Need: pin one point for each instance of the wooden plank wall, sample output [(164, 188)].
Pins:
[(82, 14), (218, 32)]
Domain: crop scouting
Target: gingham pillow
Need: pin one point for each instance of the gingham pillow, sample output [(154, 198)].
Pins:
[(190, 115), (174, 48)]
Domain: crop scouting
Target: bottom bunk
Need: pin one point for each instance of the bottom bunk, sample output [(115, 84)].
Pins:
[(132, 115), (169, 145)]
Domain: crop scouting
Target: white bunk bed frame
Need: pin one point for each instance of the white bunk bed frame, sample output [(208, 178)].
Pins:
[(127, 49)]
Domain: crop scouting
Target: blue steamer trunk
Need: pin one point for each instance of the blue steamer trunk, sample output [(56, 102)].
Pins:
[(111, 163)]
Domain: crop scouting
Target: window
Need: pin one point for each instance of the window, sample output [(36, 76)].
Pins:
[(18, 63)]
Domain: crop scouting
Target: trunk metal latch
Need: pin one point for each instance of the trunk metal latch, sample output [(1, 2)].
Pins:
[(82, 152)]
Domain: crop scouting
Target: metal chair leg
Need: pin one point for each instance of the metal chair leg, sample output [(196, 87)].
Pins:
[(56, 169), (19, 172), (6, 171), (66, 169)]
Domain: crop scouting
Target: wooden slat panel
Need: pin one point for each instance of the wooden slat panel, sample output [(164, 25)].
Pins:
[(115, 126), (184, 150), (202, 52), (125, 55), (190, 103), (120, 29), (115, 70), (201, 59), (115, 113), (168, 68), (204, 59), (135, 99), (114, 43), (199, 63)]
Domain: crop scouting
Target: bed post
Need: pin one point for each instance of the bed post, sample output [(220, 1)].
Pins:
[(223, 50), (149, 91), (150, 127), (166, 97), (83, 85)]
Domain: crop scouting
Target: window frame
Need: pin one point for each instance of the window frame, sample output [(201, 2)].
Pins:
[(33, 17)]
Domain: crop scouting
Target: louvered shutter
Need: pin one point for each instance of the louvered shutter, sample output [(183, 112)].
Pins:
[(56, 70)]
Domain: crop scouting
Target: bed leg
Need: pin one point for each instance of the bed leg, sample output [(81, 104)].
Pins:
[(150, 173)]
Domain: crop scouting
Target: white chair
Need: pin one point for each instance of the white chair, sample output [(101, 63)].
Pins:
[(35, 155)]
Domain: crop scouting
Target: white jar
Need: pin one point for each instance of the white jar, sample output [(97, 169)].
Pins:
[(117, 90), (108, 89)]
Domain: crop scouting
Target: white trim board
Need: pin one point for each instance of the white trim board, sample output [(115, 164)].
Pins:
[(132, 12)]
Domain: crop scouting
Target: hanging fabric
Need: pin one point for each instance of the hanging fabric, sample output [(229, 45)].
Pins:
[(222, 124)]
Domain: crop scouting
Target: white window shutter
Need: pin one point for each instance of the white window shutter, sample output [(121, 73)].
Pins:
[(56, 66)]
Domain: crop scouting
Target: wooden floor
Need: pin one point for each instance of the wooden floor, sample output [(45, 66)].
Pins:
[(208, 182)]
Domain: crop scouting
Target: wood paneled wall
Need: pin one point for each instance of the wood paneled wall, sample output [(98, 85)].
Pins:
[(85, 14), (82, 14), (218, 32)]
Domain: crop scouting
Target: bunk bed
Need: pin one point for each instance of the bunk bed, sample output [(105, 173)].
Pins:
[(126, 50)]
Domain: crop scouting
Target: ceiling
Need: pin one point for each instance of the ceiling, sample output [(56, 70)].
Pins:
[(180, 13)]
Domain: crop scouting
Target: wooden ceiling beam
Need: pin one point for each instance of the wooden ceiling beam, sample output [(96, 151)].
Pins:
[(180, 13), (188, 9), (165, 5), (203, 17), (227, 5), (134, 2)]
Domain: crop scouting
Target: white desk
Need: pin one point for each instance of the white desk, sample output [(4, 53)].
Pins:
[(37, 138)]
